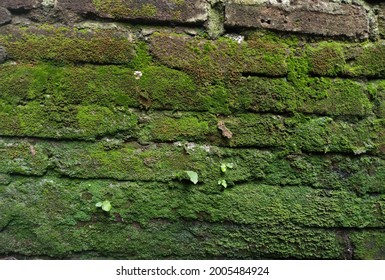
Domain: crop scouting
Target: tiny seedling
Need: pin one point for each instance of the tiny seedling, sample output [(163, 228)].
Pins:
[(105, 205), (224, 166), (223, 183), (193, 176)]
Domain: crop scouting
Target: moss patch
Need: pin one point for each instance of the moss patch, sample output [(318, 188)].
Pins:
[(64, 44)]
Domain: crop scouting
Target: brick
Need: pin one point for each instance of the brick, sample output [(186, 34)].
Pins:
[(369, 244), (3, 54), (348, 60), (19, 4), (226, 58), (22, 157), (381, 20), (5, 16), (66, 44), (320, 18), (185, 11)]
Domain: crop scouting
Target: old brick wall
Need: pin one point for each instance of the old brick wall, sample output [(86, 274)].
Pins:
[(278, 106)]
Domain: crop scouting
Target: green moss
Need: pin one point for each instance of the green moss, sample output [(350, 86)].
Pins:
[(369, 245), (22, 158), (63, 44), (327, 59), (222, 59), (71, 122), (124, 9), (352, 60), (58, 218), (107, 86), (368, 61), (323, 96), (179, 126)]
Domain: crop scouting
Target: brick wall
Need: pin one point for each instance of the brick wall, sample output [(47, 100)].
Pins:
[(277, 106)]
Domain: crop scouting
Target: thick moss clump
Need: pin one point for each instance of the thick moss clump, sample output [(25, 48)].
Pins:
[(322, 96), (159, 87), (64, 44), (327, 59), (116, 160), (71, 122), (369, 245), (22, 157), (352, 60), (224, 58), (63, 219)]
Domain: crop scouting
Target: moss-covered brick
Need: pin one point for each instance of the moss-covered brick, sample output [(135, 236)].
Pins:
[(168, 126), (323, 96), (22, 157), (184, 11), (370, 244), (327, 59), (61, 216), (160, 87), (65, 44), (319, 134), (111, 86), (115, 159), (352, 60), (70, 122), (73, 201), (220, 59)]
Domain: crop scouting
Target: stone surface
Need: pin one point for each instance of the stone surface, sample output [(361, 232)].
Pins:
[(185, 11), (381, 20), (3, 54), (5, 16), (320, 18), (19, 4), (120, 100)]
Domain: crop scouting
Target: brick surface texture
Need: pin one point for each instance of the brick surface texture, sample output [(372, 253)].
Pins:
[(192, 129)]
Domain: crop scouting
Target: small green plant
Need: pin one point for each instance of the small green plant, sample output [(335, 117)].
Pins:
[(223, 183), (224, 166), (193, 176), (105, 205)]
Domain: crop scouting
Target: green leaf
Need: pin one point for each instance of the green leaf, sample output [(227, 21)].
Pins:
[(223, 167), (223, 183), (99, 204), (106, 206), (230, 165), (193, 176)]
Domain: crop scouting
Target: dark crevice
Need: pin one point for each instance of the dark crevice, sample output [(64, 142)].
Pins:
[(144, 21), (262, 75)]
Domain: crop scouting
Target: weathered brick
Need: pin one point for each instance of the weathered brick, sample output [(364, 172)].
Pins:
[(370, 244), (66, 44), (381, 19), (348, 60), (320, 17), (185, 11), (22, 157), (221, 59), (19, 4), (5, 16), (3, 54)]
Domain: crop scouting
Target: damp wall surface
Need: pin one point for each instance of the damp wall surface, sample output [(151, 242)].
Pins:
[(278, 108)]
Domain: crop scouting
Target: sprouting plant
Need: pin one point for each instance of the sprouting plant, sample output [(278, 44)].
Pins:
[(222, 182), (224, 166), (105, 205), (193, 176)]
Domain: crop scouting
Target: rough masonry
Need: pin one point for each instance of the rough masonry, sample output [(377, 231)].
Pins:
[(243, 129)]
